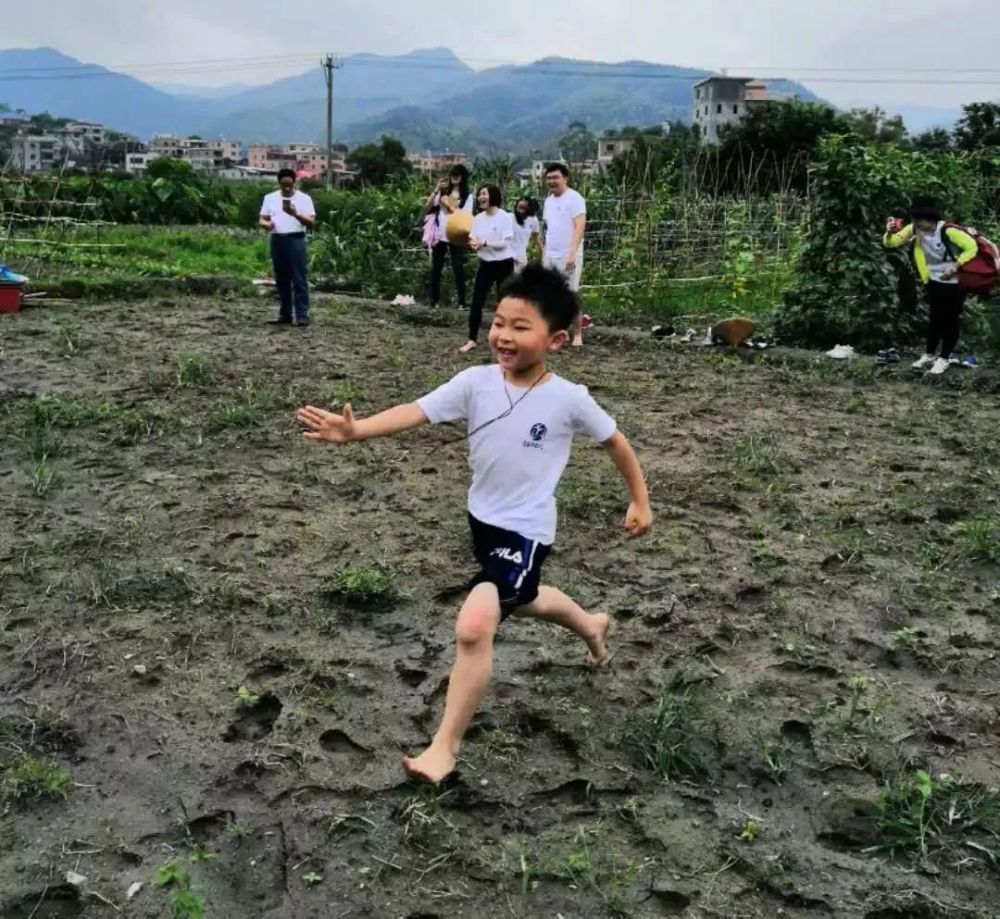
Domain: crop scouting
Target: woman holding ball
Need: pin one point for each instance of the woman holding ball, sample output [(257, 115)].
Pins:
[(449, 197)]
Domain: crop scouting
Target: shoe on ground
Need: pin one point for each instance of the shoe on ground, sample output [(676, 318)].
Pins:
[(923, 362), (11, 277), (939, 366), (970, 361), (304, 324), (841, 353), (279, 321)]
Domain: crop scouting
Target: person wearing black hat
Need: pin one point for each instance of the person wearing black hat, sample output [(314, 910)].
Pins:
[(939, 250)]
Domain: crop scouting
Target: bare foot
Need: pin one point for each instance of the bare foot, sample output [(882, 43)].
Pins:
[(433, 765), (578, 341), (597, 641), (467, 347)]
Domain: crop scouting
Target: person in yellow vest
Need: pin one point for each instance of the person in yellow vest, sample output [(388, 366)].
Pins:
[(939, 251)]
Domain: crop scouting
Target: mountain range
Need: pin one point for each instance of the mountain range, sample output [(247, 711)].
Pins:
[(428, 98)]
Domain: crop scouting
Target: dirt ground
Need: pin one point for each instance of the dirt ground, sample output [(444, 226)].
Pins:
[(217, 640)]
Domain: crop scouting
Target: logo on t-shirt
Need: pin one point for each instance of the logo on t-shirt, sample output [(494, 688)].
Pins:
[(537, 435)]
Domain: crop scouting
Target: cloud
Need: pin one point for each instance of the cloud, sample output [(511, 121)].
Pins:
[(760, 36)]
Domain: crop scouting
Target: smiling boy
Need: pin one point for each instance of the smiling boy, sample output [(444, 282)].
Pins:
[(521, 420)]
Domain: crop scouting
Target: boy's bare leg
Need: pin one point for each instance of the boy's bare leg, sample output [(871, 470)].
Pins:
[(554, 606), (474, 630), (576, 329)]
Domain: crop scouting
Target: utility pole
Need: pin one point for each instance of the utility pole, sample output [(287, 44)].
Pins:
[(329, 65)]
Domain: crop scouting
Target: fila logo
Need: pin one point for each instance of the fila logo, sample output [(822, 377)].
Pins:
[(509, 556)]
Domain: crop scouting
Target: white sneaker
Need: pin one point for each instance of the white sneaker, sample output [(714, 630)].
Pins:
[(940, 366), (841, 353), (923, 362)]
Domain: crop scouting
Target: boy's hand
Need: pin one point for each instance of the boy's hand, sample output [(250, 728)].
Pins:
[(638, 519), (323, 425)]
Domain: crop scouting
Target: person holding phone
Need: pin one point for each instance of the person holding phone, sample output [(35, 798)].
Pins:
[(449, 196), (287, 214)]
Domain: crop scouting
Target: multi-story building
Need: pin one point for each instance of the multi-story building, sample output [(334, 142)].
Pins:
[(39, 152), (611, 145), (203, 154), (85, 132), (307, 160), (584, 168), (433, 163), (723, 100)]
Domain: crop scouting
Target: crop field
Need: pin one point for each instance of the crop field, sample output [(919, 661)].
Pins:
[(217, 640)]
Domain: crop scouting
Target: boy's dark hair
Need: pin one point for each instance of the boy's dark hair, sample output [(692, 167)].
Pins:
[(532, 209), (496, 196), (924, 208), (557, 167), (548, 290), (286, 173)]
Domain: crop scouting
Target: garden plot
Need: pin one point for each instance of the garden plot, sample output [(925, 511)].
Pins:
[(217, 640)]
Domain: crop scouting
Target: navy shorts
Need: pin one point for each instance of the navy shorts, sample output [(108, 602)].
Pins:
[(509, 561)]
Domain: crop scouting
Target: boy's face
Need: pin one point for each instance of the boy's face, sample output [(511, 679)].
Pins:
[(520, 336), (924, 226)]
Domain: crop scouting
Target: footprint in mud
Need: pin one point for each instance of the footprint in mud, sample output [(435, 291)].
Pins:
[(335, 741), (255, 721)]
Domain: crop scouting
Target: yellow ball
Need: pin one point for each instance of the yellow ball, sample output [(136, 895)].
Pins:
[(458, 228)]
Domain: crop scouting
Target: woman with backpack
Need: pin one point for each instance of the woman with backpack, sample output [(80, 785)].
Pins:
[(939, 251), (450, 196)]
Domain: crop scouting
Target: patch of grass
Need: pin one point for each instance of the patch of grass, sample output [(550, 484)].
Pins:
[(184, 902), (344, 391), (43, 477), (668, 739), (581, 498), (193, 370), (248, 410), (31, 779), (764, 559), (917, 812), (756, 459), (169, 584), (978, 538), (366, 588), (423, 814)]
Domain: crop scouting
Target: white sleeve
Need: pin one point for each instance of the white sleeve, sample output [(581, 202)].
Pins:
[(265, 210), (579, 206), (449, 402), (589, 419), (468, 203)]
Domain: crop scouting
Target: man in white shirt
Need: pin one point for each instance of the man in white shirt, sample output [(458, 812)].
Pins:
[(564, 217), (287, 214)]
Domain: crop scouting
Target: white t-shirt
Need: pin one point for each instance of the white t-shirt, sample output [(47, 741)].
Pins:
[(936, 252), (517, 460), (280, 221), (443, 215), (558, 215), (522, 236), (498, 232)]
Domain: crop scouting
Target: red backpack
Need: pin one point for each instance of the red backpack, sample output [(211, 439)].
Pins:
[(979, 275)]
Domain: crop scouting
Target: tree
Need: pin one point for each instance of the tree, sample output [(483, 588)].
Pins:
[(577, 144), (654, 156), (170, 169), (876, 124), (979, 126), (934, 139), (381, 163)]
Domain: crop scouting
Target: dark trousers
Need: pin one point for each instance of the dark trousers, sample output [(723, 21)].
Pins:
[(438, 254), (488, 275), (946, 302), (288, 256)]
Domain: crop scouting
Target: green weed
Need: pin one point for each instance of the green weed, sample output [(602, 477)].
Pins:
[(585, 499), (247, 411), (30, 779), (246, 698), (364, 588), (193, 370), (916, 812), (43, 477), (666, 739), (184, 902), (978, 538)]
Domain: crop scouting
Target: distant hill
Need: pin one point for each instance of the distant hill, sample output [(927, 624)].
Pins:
[(428, 98)]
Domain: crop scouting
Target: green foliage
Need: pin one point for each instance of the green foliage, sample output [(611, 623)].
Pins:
[(666, 739), (979, 538), (847, 289), (381, 163), (30, 779), (363, 587), (979, 126), (184, 902)]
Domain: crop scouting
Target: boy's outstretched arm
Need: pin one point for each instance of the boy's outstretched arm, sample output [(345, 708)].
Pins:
[(639, 517), (342, 429)]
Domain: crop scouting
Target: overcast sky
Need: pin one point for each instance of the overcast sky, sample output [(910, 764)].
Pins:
[(759, 37)]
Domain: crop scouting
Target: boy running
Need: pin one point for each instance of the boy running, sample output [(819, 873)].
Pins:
[(520, 421)]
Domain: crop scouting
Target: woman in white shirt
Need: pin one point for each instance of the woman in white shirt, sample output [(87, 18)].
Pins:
[(526, 228), (451, 195), (491, 238)]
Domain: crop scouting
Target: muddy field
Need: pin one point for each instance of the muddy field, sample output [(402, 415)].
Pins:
[(217, 641)]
